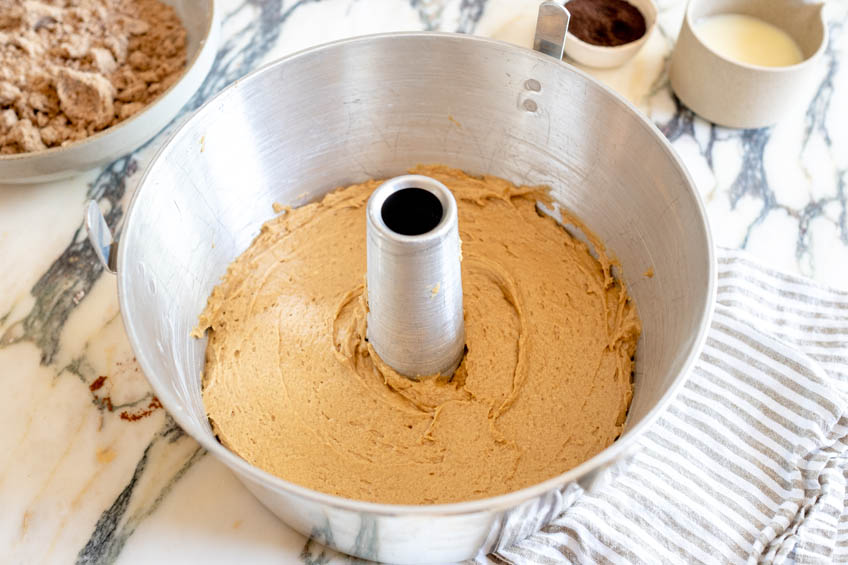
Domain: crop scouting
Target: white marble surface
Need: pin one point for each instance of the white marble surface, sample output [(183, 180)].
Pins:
[(81, 483)]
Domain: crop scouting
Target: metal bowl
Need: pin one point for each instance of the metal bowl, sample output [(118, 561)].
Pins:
[(201, 21), (372, 107)]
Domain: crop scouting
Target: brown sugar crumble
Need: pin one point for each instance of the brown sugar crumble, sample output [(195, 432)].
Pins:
[(71, 68), (98, 383), (154, 405), (607, 23), (102, 401)]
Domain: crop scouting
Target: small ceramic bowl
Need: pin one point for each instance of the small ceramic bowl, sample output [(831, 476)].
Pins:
[(200, 19), (739, 95), (608, 57)]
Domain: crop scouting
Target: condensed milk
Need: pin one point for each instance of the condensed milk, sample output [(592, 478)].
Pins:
[(746, 39)]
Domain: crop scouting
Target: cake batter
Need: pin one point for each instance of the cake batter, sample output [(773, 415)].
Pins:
[(292, 386)]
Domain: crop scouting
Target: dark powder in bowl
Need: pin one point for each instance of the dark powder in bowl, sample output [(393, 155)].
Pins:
[(606, 23)]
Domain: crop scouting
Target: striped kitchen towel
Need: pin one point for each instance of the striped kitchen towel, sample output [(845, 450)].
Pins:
[(749, 463)]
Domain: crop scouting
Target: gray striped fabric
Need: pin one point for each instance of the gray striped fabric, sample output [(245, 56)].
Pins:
[(749, 464)]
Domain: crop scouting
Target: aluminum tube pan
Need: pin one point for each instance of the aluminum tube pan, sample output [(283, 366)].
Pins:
[(415, 317)]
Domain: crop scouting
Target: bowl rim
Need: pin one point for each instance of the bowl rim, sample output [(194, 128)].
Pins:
[(617, 449), (156, 102)]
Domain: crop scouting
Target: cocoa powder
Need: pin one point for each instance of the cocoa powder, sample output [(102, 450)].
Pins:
[(607, 23), (71, 68)]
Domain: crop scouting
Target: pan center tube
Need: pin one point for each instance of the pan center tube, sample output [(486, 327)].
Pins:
[(414, 283)]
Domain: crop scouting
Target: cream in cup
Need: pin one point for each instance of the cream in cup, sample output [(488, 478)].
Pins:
[(746, 63)]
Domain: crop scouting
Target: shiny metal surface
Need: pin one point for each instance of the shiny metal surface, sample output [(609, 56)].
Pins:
[(100, 236), (551, 29), (357, 109), (415, 317)]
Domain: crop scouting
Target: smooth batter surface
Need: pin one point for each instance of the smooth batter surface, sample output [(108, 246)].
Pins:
[(292, 386)]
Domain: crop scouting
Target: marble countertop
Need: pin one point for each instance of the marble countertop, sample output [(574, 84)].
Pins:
[(92, 470)]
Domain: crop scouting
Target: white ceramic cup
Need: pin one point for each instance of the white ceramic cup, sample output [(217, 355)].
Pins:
[(602, 57), (740, 95)]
